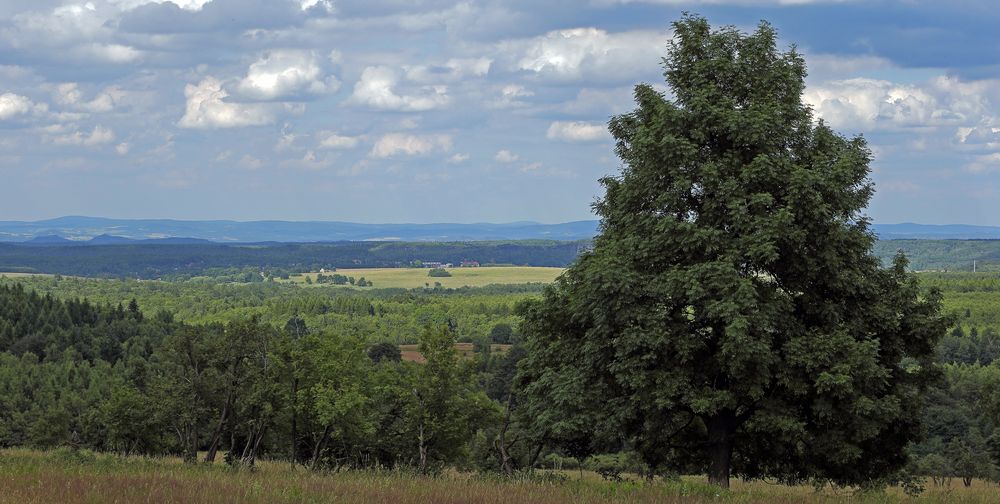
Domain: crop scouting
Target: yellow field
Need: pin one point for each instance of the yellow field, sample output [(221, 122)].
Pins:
[(413, 278)]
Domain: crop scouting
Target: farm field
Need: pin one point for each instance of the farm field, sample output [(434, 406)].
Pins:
[(82, 477), (411, 353), (414, 278)]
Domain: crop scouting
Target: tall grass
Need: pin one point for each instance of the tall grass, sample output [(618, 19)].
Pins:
[(80, 477)]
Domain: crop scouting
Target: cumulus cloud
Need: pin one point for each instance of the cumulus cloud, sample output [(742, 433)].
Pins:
[(590, 53), (398, 144), (867, 104), (984, 135), (505, 156), (69, 94), (73, 34), (452, 70), (193, 5), (205, 108), (576, 131), (458, 158), (376, 89), (985, 163), (286, 74), (510, 95), (12, 105), (98, 136), (331, 140)]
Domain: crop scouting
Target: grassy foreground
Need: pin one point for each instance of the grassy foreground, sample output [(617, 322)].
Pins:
[(68, 477), (414, 278)]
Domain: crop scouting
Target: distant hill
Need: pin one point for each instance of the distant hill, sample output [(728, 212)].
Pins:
[(49, 240), (110, 231), (909, 231), (102, 231)]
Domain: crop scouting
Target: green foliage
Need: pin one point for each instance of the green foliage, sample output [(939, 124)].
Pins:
[(246, 263), (438, 272), (731, 316), (384, 352), (320, 396)]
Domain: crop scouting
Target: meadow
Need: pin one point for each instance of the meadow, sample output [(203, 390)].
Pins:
[(416, 278), (65, 476), (398, 316)]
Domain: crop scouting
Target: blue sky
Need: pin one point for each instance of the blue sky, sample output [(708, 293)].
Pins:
[(434, 111)]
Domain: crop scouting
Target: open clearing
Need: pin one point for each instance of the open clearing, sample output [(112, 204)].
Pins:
[(411, 353), (81, 477), (415, 278)]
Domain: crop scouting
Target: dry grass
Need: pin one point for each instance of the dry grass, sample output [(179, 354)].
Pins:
[(410, 353), (415, 278), (50, 477)]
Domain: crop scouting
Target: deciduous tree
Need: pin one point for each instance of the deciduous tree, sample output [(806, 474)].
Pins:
[(731, 316)]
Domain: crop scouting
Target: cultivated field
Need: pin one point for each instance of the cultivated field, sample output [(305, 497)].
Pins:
[(70, 477), (413, 278), (411, 353)]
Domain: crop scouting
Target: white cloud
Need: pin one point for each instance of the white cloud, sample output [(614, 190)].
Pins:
[(576, 131), (505, 156), (454, 69), (69, 94), (510, 96), (122, 148), (376, 89), (530, 167), (984, 163), (184, 4), (458, 158), (983, 135), (331, 140), (111, 53), (395, 144), (250, 163), (866, 104), (12, 105), (206, 109), (589, 53), (287, 73), (99, 135)]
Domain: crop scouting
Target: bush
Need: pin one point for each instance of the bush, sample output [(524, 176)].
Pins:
[(384, 352), (611, 466), (438, 272)]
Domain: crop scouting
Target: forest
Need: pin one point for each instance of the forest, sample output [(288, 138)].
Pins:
[(276, 371), (186, 260)]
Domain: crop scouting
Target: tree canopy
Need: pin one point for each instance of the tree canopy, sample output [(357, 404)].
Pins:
[(731, 316)]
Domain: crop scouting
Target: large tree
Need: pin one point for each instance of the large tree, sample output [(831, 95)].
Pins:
[(731, 316)]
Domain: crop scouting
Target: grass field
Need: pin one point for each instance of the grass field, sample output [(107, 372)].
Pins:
[(70, 477), (414, 278)]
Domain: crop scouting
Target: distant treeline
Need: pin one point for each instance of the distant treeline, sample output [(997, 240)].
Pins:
[(186, 260), (943, 255)]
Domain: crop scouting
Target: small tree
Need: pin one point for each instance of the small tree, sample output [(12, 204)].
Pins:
[(731, 316), (384, 352)]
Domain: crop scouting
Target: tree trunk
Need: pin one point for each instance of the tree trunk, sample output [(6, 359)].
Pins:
[(213, 447), (721, 429), (320, 446), (500, 443), (422, 450), (294, 451)]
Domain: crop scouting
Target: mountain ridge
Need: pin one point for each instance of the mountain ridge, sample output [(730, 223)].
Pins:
[(83, 230)]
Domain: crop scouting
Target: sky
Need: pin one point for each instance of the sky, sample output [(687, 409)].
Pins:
[(436, 111)]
